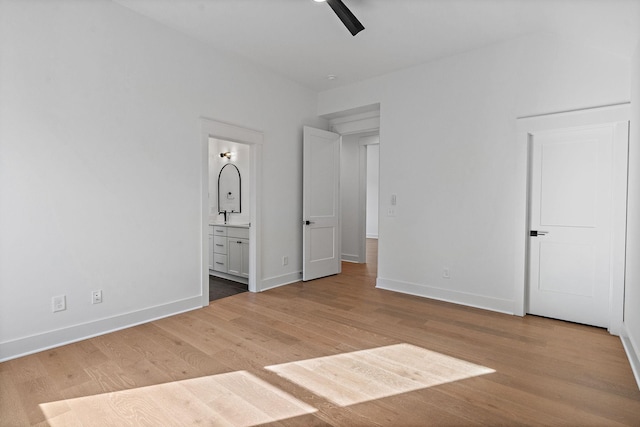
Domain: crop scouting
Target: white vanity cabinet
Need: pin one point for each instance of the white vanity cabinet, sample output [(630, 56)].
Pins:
[(238, 250), (229, 252)]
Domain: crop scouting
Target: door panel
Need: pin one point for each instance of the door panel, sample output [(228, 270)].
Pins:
[(324, 239), (575, 275), (322, 170), (569, 182), (571, 200), (321, 207)]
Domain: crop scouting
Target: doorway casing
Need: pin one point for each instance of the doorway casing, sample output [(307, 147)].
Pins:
[(365, 122), (528, 126), (210, 128)]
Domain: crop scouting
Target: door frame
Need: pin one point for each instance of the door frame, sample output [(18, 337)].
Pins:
[(619, 114), (210, 128), (366, 124)]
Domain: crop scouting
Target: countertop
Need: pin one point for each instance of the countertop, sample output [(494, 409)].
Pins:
[(222, 224)]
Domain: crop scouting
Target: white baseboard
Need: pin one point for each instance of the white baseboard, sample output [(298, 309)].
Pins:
[(56, 338), (463, 298), (372, 236), (277, 281), (228, 276), (633, 353), (350, 258)]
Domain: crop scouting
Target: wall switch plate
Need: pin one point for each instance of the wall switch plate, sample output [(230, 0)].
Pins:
[(446, 273), (59, 303), (393, 199), (96, 297), (285, 260)]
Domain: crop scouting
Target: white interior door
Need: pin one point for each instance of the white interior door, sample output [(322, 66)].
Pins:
[(321, 204), (571, 224)]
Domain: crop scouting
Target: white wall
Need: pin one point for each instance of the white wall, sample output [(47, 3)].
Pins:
[(100, 166), (240, 157), (632, 285), (448, 150), (373, 185)]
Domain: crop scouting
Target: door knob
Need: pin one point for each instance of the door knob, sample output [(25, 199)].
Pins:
[(535, 233), (308, 222)]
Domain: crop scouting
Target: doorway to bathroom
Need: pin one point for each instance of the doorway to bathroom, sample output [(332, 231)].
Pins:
[(231, 167), (229, 218)]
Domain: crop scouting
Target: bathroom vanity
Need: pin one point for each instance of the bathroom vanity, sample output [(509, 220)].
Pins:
[(228, 234), (229, 251)]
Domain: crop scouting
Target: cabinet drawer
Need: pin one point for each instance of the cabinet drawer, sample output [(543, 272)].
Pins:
[(238, 232), (220, 245), (220, 262), (219, 231)]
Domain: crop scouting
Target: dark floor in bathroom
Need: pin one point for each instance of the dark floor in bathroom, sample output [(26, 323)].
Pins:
[(221, 288)]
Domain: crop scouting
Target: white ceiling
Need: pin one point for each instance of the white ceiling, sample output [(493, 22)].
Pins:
[(304, 40)]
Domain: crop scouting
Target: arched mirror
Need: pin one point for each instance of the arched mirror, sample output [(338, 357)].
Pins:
[(229, 189)]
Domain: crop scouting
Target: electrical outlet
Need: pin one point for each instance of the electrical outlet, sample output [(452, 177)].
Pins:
[(59, 303), (96, 297), (285, 260), (446, 273), (391, 211)]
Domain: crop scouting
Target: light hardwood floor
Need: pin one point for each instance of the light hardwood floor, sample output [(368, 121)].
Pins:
[(334, 351)]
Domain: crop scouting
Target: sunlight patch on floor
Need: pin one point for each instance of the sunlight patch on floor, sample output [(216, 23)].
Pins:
[(231, 399), (350, 378)]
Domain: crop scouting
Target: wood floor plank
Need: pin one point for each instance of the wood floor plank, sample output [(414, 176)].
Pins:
[(24, 369), (110, 377), (193, 331), (119, 350), (186, 407), (10, 401), (62, 365), (67, 419), (533, 408), (35, 392)]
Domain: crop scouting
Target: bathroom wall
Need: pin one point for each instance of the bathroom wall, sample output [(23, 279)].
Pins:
[(240, 157)]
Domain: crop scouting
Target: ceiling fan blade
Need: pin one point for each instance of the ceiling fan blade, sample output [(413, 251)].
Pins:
[(345, 15)]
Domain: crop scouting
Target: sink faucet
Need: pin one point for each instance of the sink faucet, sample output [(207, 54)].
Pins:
[(225, 215)]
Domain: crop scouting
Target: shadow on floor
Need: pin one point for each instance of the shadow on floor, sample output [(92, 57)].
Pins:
[(221, 288)]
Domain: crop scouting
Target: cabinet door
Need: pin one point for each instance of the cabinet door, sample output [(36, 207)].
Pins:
[(211, 251), (238, 250)]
